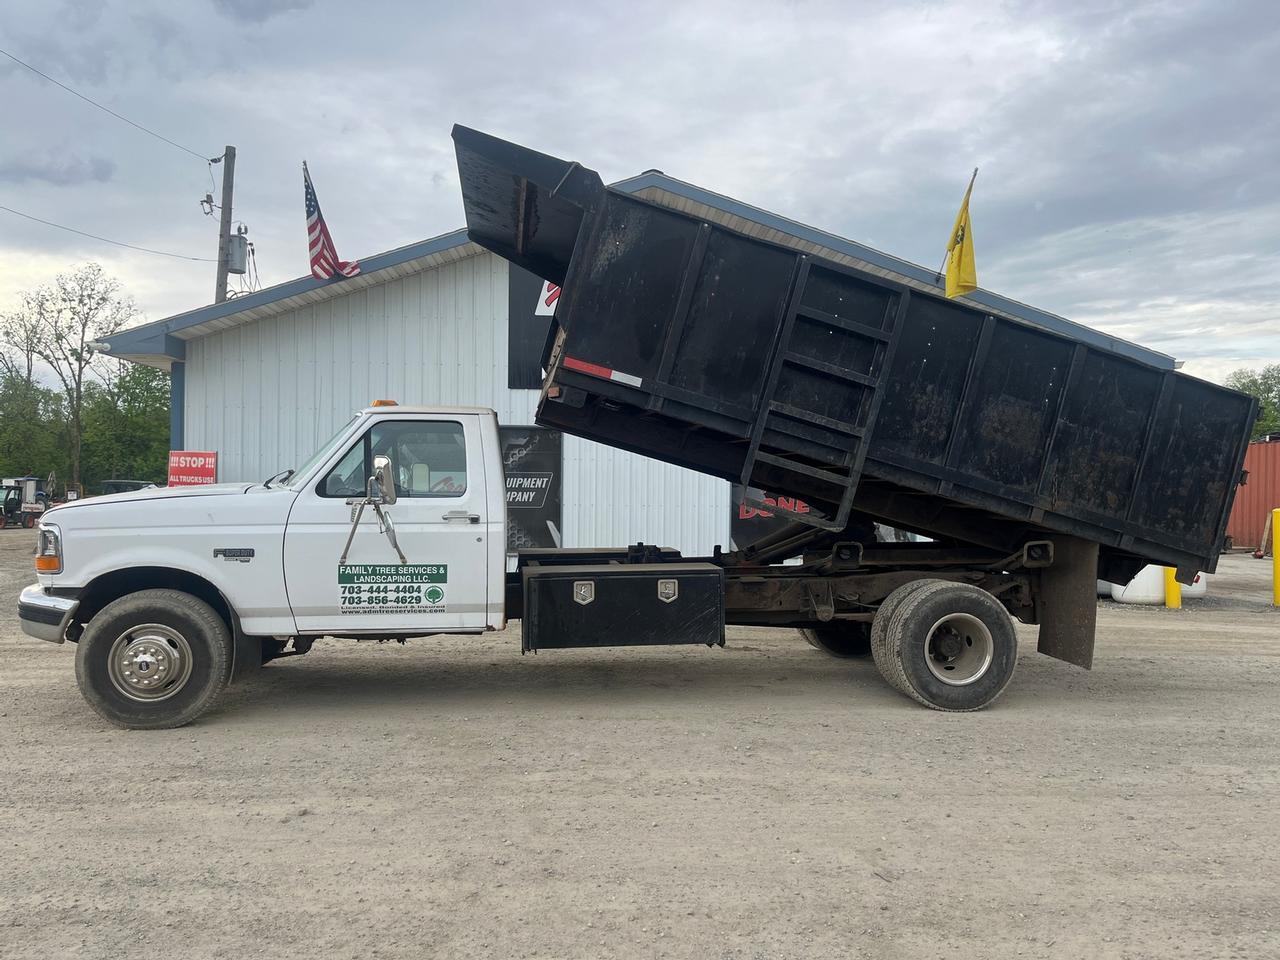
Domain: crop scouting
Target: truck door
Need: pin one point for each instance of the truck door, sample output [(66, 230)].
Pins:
[(440, 523)]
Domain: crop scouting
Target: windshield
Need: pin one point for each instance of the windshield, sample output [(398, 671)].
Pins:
[(320, 453)]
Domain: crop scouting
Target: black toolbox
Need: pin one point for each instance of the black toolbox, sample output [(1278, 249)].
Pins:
[(608, 605)]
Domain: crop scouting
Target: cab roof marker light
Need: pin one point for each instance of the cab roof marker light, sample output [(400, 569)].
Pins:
[(385, 403)]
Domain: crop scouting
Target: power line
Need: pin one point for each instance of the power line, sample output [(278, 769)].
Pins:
[(95, 103), (94, 236)]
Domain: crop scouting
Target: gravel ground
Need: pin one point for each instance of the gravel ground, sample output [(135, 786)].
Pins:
[(450, 798)]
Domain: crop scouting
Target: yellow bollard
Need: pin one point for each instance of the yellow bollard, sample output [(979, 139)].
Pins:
[(1275, 558), (1172, 589)]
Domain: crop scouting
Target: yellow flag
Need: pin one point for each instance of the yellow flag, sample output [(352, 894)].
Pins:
[(962, 269)]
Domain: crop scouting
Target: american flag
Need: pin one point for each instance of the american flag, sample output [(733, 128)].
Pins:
[(324, 258)]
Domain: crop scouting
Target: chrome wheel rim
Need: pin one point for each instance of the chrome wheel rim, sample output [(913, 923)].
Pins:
[(958, 649), (149, 662)]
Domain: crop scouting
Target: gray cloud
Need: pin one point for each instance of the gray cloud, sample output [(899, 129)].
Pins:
[(58, 170), (1126, 148), (259, 11)]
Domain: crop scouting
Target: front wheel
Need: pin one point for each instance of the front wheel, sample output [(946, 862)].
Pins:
[(154, 659), (950, 646)]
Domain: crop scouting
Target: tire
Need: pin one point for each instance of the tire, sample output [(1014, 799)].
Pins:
[(4, 521), (154, 630), (880, 651), (846, 639), (949, 646), (28, 521)]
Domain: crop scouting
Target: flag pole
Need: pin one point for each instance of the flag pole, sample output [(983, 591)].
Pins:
[(968, 190)]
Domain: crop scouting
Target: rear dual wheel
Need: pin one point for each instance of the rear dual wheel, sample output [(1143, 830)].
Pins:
[(950, 646), (845, 639)]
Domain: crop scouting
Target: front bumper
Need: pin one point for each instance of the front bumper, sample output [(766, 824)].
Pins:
[(43, 616)]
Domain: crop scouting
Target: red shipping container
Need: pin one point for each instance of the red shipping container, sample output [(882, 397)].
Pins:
[(1258, 497)]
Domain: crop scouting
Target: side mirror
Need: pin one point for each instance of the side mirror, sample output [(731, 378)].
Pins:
[(382, 485), (380, 491)]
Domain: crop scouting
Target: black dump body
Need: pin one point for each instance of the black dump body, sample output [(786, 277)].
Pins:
[(694, 344)]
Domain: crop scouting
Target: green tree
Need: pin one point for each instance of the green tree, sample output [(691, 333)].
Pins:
[(64, 319), (33, 436), (1263, 383), (126, 425)]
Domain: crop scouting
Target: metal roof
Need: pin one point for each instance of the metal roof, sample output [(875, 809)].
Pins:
[(161, 342)]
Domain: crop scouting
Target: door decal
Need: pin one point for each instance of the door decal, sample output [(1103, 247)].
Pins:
[(392, 588)]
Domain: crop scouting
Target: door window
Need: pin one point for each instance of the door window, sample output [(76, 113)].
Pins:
[(429, 457), (348, 478)]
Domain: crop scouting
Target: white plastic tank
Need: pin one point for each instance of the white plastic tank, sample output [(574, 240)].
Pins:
[(1148, 587), (1198, 589)]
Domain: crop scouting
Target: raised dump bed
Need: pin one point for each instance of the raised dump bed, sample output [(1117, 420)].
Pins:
[(689, 342)]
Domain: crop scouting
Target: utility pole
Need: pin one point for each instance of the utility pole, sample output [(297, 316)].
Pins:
[(224, 228)]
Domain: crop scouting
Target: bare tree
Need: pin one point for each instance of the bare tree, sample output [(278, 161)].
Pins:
[(80, 307), (20, 337), (9, 364)]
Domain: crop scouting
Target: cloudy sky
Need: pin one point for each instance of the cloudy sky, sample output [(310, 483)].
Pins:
[(1128, 150)]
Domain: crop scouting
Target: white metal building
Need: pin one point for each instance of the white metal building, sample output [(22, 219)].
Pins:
[(264, 378)]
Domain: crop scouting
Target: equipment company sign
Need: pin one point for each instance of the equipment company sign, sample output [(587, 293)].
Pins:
[(532, 461)]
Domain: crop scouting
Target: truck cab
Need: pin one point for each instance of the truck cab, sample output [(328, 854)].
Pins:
[(393, 528)]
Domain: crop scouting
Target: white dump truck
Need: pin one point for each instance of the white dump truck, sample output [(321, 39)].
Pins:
[(396, 528), (1035, 462)]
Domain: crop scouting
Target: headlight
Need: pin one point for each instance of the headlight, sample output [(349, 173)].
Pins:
[(49, 549)]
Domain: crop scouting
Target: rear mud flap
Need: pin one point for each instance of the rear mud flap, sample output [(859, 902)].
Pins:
[(1068, 602)]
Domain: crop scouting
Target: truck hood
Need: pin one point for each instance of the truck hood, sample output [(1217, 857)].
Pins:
[(159, 493)]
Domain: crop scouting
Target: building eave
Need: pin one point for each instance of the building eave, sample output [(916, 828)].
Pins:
[(161, 342)]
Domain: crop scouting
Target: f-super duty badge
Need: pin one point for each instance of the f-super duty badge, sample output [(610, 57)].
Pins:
[(235, 554)]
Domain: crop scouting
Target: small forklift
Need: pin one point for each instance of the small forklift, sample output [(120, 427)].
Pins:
[(25, 500)]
